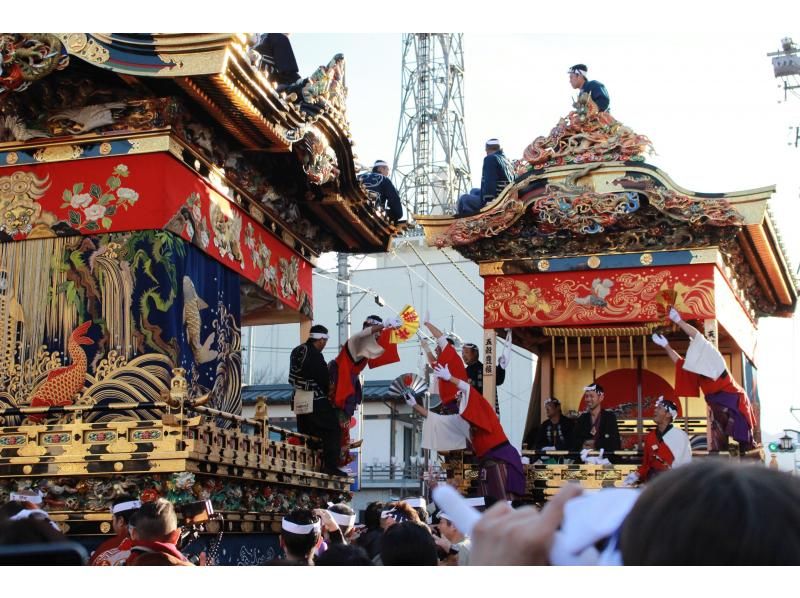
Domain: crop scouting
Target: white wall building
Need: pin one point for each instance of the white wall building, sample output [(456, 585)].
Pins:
[(447, 287)]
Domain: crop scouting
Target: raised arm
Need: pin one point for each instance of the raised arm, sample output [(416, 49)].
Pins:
[(690, 330), (662, 342)]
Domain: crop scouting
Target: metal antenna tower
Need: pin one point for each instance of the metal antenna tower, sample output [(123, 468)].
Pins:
[(786, 64), (431, 164)]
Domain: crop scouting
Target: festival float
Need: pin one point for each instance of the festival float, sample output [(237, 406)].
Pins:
[(583, 255), (156, 194)]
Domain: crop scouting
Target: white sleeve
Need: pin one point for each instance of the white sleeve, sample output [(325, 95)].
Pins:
[(441, 342), (444, 432)]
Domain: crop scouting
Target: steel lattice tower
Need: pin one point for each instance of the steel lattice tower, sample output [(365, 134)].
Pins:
[(431, 164)]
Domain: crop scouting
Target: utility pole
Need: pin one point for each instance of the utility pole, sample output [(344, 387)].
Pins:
[(343, 299)]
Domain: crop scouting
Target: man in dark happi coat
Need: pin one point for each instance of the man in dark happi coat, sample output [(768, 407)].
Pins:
[(597, 91), (382, 190), (316, 416), (596, 428), (555, 433)]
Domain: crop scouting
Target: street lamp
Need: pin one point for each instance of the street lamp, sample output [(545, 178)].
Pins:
[(786, 445)]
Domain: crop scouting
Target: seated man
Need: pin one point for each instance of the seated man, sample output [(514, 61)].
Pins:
[(380, 187), (555, 433), (278, 56), (578, 79), (665, 447), (596, 428), (155, 535), (497, 172), (301, 534), (704, 369), (469, 203), (117, 549)]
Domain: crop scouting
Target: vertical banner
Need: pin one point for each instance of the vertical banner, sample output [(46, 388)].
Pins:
[(489, 367)]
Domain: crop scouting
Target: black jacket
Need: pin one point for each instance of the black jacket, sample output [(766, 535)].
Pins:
[(607, 437), (497, 173), (558, 435), (475, 375), (382, 190), (599, 94), (308, 370)]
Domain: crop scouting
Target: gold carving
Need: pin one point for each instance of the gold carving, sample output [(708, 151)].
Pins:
[(646, 259), (80, 45), (543, 265), (27, 469), (121, 446), (146, 145), (65, 468), (593, 262), (118, 466), (58, 153), (105, 527), (32, 450), (247, 526), (12, 158), (75, 42), (105, 148)]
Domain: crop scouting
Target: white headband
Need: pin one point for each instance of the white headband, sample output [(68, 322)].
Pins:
[(493, 142), (318, 335), (372, 321), (294, 528), (343, 520), (379, 163), (672, 411), (579, 72), (444, 516), (592, 387), (36, 499), (26, 514), (126, 506)]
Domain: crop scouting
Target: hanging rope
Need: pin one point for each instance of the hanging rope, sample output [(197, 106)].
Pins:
[(457, 267), (452, 300)]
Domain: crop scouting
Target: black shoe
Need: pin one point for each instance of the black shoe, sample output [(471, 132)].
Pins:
[(336, 472)]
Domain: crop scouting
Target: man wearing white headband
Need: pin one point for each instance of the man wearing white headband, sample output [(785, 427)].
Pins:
[(301, 534), (665, 447), (308, 374), (344, 517), (578, 78), (116, 550), (381, 189), (704, 368), (496, 174), (371, 346), (453, 541), (596, 428)]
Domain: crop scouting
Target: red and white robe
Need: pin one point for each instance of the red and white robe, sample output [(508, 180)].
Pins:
[(664, 451)]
